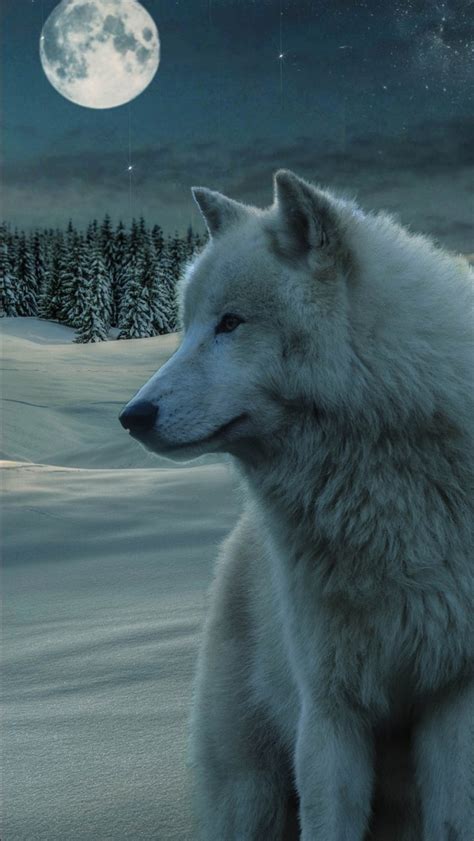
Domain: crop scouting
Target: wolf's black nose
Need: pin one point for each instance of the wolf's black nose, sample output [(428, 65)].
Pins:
[(139, 416)]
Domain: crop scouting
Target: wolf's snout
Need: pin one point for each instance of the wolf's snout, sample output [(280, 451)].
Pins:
[(138, 417)]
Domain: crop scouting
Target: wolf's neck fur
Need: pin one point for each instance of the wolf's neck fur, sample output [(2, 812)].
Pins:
[(366, 514)]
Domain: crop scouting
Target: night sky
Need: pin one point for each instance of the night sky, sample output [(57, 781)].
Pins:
[(374, 99)]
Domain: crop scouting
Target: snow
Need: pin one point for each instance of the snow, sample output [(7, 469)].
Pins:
[(107, 556)]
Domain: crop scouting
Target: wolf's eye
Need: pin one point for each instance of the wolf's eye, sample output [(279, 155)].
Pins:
[(228, 322)]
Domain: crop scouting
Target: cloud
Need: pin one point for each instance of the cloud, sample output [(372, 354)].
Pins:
[(426, 176), (433, 146)]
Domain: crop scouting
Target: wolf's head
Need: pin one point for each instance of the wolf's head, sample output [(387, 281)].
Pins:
[(305, 317), (265, 332)]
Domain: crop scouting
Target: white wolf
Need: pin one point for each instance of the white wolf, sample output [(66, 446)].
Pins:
[(330, 353)]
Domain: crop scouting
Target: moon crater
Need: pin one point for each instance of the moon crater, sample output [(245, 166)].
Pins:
[(100, 53)]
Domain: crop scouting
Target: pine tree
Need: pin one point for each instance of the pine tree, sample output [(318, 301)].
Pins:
[(177, 254), (80, 303), (106, 235), (137, 322), (68, 275), (170, 269), (92, 309), (137, 319), (50, 305), (130, 274), (107, 244), (8, 285), (142, 229), (121, 248), (163, 310), (92, 281), (150, 280), (71, 235), (40, 262), (136, 239), (25, 278), (158, 239), (100, 283), (76, 291), (13, 239), (92, 328), (49, 241), (92, 233), (166, 295)]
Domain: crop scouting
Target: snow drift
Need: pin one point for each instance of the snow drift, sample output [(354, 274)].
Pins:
[(107, 556)]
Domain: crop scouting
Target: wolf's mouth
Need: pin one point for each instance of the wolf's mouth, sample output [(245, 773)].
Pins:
[(219, 431)]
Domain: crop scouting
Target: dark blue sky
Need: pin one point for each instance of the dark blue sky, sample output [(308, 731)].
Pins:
[(374, 98)]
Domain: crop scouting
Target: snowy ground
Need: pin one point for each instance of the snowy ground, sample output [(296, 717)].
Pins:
[(107, 556)]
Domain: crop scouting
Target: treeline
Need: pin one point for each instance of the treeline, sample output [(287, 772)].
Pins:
[(104, 277)]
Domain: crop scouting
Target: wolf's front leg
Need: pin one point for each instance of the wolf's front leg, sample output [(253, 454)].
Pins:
[(334, 776), (241, 778), (444, 756)]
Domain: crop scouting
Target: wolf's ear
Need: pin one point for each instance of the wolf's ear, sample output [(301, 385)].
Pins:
[(219, 211), (306, 219)]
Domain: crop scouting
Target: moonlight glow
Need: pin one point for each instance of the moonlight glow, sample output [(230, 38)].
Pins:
[(100, 53)]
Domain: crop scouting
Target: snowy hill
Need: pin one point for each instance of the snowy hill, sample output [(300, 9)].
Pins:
[(107, 555), (61, 404)]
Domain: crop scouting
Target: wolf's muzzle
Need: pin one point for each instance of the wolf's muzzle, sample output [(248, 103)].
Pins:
[(138, 417)]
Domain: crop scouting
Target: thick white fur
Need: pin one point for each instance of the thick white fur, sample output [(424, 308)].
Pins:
[(337, 657)]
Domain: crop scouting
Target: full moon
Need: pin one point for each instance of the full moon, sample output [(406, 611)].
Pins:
[(100, 53)]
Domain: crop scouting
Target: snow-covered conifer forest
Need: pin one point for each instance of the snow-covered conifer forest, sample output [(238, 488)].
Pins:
[(107, 276)]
